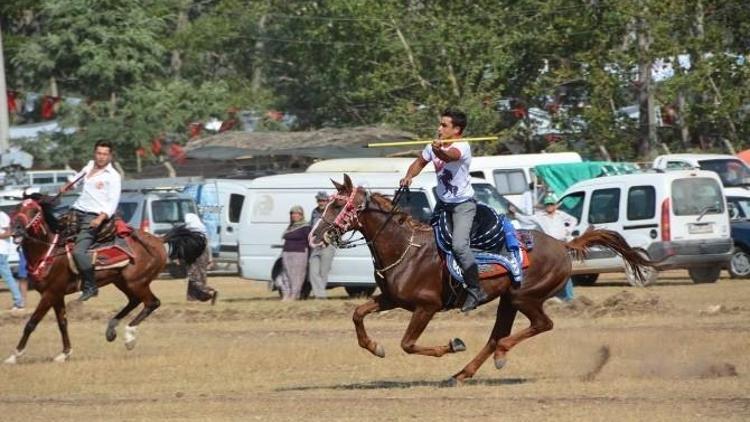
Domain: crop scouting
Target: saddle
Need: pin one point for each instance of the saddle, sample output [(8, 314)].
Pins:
[(487, 241), (111, 248)]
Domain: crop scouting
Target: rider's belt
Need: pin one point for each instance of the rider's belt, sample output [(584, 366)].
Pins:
[(85, 212)]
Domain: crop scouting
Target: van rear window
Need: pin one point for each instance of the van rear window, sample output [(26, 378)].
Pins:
[(697, 195)]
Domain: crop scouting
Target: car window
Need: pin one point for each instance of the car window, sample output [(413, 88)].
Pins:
[(740, 207), (126, 210), (605, 206), (572, 204), (641, 202), (171, 210), (488, 195), (732, 171), (510, 182), (416, 204), (697, 195), (235, 207)]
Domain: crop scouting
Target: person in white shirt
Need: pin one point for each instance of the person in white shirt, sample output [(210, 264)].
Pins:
[(6, 243), (97, 203), (555, 223), (452, 158)]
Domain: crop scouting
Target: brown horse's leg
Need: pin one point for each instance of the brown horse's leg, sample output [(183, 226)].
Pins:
[(133, 302), (377, 303), (539, 322), (506, 314), (62, 324), (419, 320), (150, 304), (41, 310)]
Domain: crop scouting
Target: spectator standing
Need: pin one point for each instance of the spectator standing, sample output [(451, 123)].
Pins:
[(555, 223), (6, 243), (321, 257), (294, 254), (197, 272)]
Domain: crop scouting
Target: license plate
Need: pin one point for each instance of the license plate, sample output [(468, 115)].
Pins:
[(700, 228)]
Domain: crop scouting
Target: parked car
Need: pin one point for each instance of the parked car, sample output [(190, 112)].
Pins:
[(679, 219), (739, 214)]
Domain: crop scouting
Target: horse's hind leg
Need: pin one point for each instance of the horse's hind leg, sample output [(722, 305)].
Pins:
[(377, 303), (62, 324), (133, 301), (41, 310), (506, 314), (419, 320), (150, 304), (539, 322)]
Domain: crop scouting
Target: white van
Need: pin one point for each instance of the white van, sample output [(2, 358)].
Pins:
[(679, 218), (511, 175), (265, 215)]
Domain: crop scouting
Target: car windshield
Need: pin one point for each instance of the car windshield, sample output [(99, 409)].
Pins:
[(732, 171), (487, 195)]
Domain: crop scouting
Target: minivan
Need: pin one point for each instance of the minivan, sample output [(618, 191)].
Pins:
[(266, 215), (677, 218)]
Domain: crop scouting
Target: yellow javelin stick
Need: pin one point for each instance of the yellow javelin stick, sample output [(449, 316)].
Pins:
[(427, 141)]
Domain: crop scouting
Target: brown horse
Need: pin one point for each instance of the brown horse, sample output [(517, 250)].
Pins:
[(411, 274), (35, 226)]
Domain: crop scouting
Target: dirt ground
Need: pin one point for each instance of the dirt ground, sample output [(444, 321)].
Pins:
[(674, 351)]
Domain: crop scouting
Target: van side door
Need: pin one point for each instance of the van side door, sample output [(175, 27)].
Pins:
[(640, 226), (230, 227)]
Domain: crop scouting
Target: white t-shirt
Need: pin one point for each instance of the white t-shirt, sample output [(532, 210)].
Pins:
[(5, 244), (454, 181)]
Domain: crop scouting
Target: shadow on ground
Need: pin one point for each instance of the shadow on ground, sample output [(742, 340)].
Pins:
[(388, 385)]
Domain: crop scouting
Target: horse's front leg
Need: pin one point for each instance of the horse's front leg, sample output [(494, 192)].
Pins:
[(419, 320), (41, 310), (62, 324), (375, 304)]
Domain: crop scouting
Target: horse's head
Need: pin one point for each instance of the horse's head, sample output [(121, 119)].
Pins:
[(341, 215), (28, 219)]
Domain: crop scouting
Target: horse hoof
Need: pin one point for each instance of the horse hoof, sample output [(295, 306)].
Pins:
[(500, 363), (62, 357), (457, 345), (111, 333), (451, 382), (379, 351), (130, 337), (13, 359)]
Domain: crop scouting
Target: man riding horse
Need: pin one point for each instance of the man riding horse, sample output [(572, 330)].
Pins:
[(97, 203), (452, 158)]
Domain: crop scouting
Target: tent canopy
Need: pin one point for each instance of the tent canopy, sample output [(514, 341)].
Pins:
[(559, 177)]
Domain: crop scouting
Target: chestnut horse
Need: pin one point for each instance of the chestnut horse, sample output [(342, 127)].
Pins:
[(411, 274), (34, 225)]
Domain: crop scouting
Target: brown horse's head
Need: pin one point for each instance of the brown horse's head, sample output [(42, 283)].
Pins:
[(33, 217), (341, 214)]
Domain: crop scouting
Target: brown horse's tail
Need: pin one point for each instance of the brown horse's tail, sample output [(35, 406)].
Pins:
[(613, 240)]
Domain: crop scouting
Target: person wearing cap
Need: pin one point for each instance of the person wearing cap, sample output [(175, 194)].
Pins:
[(294, 255), (321, 257), (553, 222)]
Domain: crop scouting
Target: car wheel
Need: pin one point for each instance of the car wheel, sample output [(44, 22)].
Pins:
[(585, 279), (357, 291), (739, 266), (650, 274), (701, 275)]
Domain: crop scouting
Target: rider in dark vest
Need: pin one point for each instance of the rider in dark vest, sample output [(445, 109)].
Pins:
[(97, 203)]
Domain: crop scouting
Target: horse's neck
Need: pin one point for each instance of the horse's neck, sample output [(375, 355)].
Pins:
[(387, 237), (37, 248)]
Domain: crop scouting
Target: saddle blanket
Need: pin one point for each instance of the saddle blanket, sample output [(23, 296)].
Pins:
[(490, 265), (116, 253)]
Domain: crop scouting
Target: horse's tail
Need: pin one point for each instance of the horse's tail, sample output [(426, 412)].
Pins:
[(613, 240), (184, 244)]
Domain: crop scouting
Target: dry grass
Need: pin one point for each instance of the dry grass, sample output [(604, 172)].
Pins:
[(669, 356)]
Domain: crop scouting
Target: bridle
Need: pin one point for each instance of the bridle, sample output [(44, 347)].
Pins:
[(348, 218), (36, 224)]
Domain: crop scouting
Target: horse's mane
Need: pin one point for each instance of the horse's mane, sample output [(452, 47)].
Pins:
[(48, 210), (386, 205)]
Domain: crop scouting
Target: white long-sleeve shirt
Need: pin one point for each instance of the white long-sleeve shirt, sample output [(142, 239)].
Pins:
[(101, 193), (552, 224)]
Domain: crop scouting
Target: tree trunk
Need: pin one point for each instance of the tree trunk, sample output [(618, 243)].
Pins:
[(112, 104), (257, 80), (4, 116), (410, 56), (647, 126), (182, 23), (681, 123)]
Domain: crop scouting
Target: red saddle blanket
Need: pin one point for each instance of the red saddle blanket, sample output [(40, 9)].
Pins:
[(115, 254)]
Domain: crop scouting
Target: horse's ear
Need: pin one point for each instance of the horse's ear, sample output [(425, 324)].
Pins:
[(339, 187), (348, 182)]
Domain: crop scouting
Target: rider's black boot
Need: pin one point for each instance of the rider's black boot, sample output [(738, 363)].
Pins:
[(474, 293), (88, 285)]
